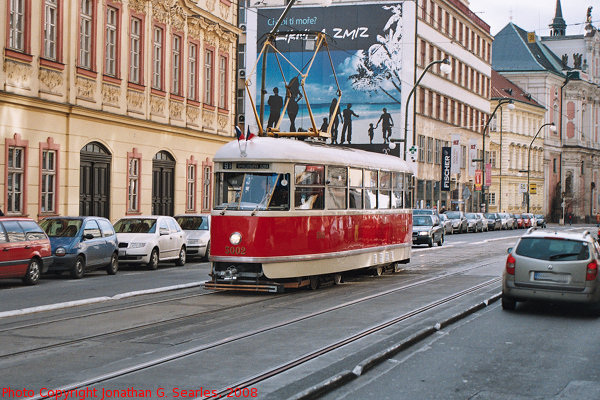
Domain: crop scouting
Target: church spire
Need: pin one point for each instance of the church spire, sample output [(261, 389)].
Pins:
[(558, 25)]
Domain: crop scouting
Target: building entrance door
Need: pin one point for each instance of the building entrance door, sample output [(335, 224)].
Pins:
[(94, 180), (163, 184)]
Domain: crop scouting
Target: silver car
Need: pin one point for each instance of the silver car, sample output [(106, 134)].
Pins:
[(446, 223), (474, 223), (559, 266), (197, 229)]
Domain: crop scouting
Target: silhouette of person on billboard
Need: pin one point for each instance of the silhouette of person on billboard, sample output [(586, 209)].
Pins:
[(386, 125), (293, 96), (347, 114), (275, 103), (336, 120)]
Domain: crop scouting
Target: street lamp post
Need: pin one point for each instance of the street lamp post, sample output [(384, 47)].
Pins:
[(511, 106), (552, 128), (445, 68)]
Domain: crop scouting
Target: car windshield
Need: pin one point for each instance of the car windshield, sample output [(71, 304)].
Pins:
[(553, 249), (471, 216), (490, 215), (453, 214), (422, 212), (539, 216), (252, 191), (421, 220), (193, 223), (136, 225), (443, 217), (61, 227)]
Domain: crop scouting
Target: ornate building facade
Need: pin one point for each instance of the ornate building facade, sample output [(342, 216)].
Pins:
[(113, 107)]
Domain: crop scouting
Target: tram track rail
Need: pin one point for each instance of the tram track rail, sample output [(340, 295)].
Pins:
[(291, 364)]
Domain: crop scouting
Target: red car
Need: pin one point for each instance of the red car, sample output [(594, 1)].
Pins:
[(526, 221), (24, 249)]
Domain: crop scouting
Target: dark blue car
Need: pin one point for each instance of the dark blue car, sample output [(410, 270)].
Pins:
[(81, 244)]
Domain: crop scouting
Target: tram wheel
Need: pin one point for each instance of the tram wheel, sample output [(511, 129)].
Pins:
[(378, 271), (337, 279), (315, 282)]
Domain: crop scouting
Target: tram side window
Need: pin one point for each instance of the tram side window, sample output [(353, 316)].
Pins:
[(310, 189), (385, 186), (370, 189), (397, 190), (337, 181), (407, 190), (355, 180)]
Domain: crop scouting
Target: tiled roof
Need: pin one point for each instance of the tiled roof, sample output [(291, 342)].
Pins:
[(511, 52), (502, 88)]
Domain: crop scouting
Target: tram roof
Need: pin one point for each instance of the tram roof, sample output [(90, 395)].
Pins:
[(291, 150)]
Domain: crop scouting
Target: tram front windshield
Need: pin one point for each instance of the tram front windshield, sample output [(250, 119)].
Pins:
[(252, 191)]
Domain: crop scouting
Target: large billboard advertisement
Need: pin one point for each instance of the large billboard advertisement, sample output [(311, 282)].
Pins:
[(371, 47)]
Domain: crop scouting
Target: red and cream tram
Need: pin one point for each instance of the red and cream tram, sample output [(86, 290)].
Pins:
[(289, 213)]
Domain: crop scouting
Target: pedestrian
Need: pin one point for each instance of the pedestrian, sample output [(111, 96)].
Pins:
[(347, 114), (598, 219), (570, 218), (275, 103), (371, 133), (1, 213)]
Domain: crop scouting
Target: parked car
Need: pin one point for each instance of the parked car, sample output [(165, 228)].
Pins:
[(484, 223), (446, 223), (557, 267), (197, 231), (519, 220), (540, 220), (427, 211), (529, 220), (427, 231), (25, 249), (493, 220), (459, 221), (81, 244), (474, 224), (507, 220), (150, 239)]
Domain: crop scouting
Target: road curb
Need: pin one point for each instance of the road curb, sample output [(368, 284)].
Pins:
[(342, 378)]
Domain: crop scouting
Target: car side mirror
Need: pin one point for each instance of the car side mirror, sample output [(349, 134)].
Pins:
[(509, 250), (163, 231), (88, 236)]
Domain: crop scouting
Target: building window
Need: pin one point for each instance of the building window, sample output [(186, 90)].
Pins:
[(16, 29), (430, 150), (135, 50), (421, 150), (192, 71), (438, 152), (176, 66), (223, 82), (85, 34), (206, 185), (134, 160), (493, 159), (15, 179), (208, 76), (110, 53), (50, 26), (157, 58), (463, 156), (48, 187), (191, 186), (554, 165), (492, 199)]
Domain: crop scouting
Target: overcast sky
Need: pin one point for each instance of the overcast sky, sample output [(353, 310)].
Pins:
[(535, 15)]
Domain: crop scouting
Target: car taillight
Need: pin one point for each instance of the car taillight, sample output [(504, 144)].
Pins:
[(592, 271), (510, 265)]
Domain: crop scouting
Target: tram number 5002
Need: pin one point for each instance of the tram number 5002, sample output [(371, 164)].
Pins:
[(238, 251)]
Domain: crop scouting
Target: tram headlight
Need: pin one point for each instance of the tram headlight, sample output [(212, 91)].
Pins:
[(235, 238)]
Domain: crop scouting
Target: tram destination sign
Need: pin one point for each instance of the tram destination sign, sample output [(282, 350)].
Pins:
[(446, 167), (246, 165)]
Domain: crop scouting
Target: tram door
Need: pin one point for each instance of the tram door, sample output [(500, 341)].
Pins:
[(163, 184), (94, 181)]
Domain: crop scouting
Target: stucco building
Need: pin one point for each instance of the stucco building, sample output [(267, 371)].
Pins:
[(113, 107)]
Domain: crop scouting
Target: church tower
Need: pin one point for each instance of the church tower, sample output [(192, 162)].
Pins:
[(558, 26)]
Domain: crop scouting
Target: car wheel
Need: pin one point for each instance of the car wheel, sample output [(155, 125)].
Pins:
[(78, 269), (508, 303), (113, 266), (32, 276), (153, 264), (181, 259)]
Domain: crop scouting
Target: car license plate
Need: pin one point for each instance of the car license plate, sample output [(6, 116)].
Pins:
[(550, 276)]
